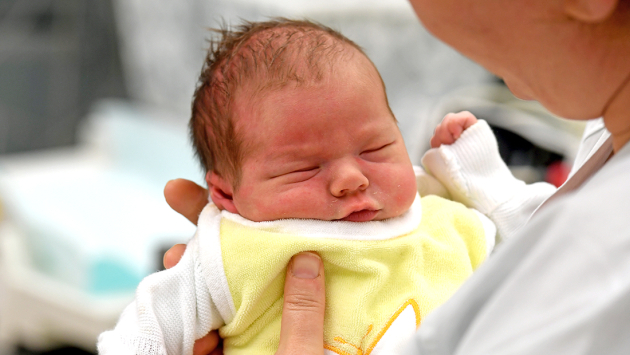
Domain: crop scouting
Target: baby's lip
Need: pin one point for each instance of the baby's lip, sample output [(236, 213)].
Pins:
[(364, 215)]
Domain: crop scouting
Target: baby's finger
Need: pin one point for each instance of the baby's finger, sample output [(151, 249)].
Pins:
[(441, 136), (435, 142), (455, 127), (458, 122), (467, 119)]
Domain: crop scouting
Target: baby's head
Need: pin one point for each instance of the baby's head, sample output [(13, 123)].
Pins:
[(291, 120)]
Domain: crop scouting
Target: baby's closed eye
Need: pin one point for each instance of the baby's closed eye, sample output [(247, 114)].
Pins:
[(378, 153), (299, 175)]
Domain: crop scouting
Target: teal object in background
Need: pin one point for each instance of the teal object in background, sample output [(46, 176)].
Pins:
[(94, 216), (110, 275)]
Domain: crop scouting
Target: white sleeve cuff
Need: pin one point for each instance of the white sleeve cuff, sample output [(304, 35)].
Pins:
[(490, 229), (472, 169), (428, 185)]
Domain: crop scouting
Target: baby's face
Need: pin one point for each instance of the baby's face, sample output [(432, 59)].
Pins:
[(331, 151)]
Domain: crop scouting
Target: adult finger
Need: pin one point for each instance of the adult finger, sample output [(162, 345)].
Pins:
[(186, 198), (172, 256), (302, 330), (208, 345)]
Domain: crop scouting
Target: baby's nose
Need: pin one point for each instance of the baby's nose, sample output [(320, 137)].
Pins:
[(348, 179)]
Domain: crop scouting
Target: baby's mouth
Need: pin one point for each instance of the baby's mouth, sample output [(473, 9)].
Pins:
[(360, 216)]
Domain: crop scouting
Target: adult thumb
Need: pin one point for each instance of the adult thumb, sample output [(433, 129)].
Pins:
[(302, 330)]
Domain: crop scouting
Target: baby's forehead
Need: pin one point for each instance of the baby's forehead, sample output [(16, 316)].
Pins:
[(275, 56), (270, 121), (289, 39)]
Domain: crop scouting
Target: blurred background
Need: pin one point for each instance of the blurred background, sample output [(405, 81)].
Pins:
[(94, 103)]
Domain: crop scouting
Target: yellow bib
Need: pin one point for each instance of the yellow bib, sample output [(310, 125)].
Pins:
[(369, 283)]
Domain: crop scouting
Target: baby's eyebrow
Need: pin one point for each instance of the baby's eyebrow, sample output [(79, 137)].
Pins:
[(380, 137), (300, 151), (288, 159), (277, 169)]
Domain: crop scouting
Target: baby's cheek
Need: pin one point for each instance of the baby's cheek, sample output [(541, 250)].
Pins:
[(258, 207), (406, 188), (292, 204)]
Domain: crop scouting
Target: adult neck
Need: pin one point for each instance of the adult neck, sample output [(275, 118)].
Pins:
[(617, 115)]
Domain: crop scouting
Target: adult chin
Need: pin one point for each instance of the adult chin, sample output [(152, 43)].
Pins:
[(518, 90), (575, 109), (560, 103)]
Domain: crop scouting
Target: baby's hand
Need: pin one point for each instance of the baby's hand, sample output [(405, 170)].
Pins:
[(451, 128)]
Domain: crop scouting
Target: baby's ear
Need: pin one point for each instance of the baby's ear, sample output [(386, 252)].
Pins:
[(221, 192), (590, 11)]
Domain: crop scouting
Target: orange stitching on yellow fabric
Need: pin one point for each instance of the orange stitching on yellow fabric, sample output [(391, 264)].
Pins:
[(335, 350), (416, 310), (359, 351)]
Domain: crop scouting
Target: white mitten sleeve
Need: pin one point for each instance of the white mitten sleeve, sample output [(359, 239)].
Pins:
[(472, 171)]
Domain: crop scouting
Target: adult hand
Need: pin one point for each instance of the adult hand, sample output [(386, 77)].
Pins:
[(209, 344), (186, 198), (302, 330)]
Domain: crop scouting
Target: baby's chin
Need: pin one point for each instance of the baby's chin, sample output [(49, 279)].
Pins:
[(373, 215), (363, 215), (392, 215), (358, 216)]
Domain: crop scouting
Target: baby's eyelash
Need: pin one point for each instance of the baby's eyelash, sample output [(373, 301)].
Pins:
[(305, 169), (379, 148), (301, 175)]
